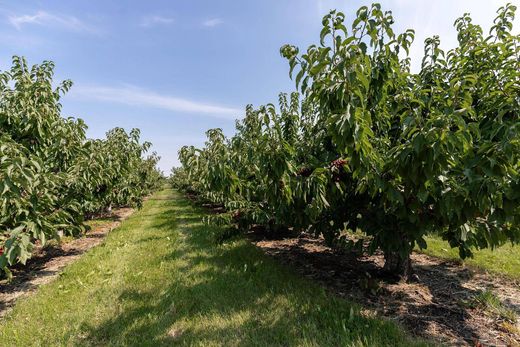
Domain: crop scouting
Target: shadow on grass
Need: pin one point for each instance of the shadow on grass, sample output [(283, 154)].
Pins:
[(231, 294)]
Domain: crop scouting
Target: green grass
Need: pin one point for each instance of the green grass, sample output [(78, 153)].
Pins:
[(504, 260), (491, 303), (159, 280)]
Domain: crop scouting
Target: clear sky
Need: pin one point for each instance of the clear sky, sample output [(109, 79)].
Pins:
[(177, 68)]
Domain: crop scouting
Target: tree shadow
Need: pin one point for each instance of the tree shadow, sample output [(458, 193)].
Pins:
[(437, 306), (229, 294)]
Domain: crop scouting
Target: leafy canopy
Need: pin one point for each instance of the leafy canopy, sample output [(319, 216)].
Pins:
[(376, 147)]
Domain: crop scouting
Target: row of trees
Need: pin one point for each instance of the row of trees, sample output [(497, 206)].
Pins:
[(375, 147), (51, 176)]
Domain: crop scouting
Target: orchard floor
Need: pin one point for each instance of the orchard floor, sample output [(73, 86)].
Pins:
[(159, 280), (449, 302)]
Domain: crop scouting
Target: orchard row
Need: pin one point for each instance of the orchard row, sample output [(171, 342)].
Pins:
[(51, 176), (371, 146)]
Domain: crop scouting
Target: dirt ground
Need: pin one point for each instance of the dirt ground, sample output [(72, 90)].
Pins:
[(435, 306), (47, 262)]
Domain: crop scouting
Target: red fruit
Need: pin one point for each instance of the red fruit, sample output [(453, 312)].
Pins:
[(338, 170), (305, 172), (338, 163), (236, 215)]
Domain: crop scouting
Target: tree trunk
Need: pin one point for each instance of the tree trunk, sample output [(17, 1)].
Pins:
[(398, 265)]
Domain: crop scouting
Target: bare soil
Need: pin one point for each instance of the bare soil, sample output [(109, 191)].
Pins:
[(435, 306), (46, 263)]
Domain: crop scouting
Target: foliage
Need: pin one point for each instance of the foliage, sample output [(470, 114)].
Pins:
[(377, 148), (52, 176)]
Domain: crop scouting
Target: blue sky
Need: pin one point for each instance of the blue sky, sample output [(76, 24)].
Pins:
[(177, 68)]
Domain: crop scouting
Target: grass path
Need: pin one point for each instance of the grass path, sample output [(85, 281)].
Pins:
[(159, 280), (504, 260)]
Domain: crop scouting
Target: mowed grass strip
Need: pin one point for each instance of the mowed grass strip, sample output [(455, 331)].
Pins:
[(158, 280), (503, 260)]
